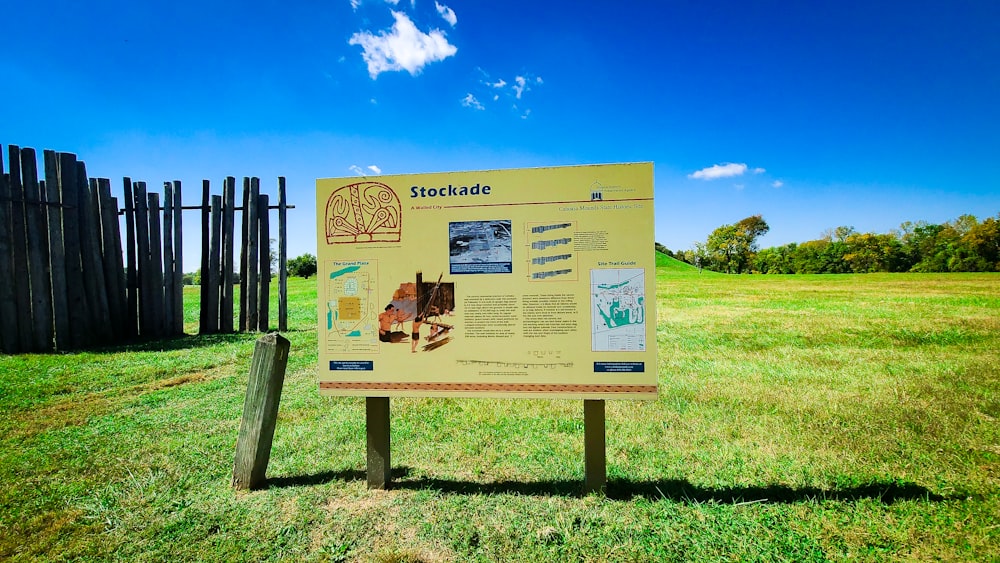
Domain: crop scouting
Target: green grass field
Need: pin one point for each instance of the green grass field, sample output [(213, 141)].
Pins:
[(800, 418)]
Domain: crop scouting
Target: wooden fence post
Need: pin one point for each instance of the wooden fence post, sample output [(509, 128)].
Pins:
[(38, 253), (114, 273), (78, 308), (8, 308), (253, 232), (168, 258), (93, 265), (22, 289), (156, 263), (144, 267), (228, 218), (212, 311), (57, 251), (206, 248), (263, 310), (282, 256), (131, 266), (260, 411), (178, 289), (243, 254)]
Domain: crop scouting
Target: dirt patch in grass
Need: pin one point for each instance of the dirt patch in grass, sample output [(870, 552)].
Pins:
[(77, 410), (196, 377), (42, 530), (74, 412)]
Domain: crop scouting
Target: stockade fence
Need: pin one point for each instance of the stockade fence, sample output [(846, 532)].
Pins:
[(65, 282)]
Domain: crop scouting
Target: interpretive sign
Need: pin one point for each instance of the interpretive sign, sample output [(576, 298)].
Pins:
[(500, 283)]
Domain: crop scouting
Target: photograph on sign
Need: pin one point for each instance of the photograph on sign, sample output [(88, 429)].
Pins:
[(499, 283)]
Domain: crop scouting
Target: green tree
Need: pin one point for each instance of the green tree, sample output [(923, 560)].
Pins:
[(776, 260), (730, 248), (302, 266), (870, 252), (983, 240)]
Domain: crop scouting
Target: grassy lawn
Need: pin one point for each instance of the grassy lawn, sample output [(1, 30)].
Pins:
[(800, 418)]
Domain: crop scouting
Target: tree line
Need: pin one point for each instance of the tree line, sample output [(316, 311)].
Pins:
[(965, 244)]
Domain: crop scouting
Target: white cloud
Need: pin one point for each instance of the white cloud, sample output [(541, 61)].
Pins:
[(355, 4), (739, 186), (500, 90), (375, 169), (404, 48), (519, 86), (759, 170), (356, 169), (393, 2), (447, 13), (777, 184), (470, 101), (715, 171)]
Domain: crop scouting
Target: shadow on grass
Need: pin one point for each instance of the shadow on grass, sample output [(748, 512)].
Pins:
[(328, 476), (186, 342), (681, 491)]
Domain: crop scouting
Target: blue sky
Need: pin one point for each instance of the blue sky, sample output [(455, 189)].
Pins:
[(813, 114)]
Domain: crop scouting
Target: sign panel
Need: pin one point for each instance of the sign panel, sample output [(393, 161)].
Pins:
[(501, 283)]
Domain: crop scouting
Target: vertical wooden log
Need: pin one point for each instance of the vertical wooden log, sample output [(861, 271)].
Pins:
[(119, 265), (111, 251), (243, 253), (206, 248), (80, 333), (214, 264), (131, 265), (265, 263), (178, 262), (378, 437), (9, 341), (253, 232), (22, 286), (282, 257), (143, 266), (93, 264), (57, 251), (228, 218), (38, 254), (155, 265), (260, 411), (595, 460), (168, 259)]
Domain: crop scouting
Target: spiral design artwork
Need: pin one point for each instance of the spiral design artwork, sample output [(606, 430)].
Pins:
[(363, 212)]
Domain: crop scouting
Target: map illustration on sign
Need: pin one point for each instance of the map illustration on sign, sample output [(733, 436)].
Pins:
[(351, 312), (618, 310)]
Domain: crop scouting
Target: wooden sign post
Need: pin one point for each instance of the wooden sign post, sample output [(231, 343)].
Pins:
[(377, 429)]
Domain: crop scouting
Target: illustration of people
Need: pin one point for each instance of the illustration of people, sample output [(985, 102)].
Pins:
[(435, 330), (400, 317), (415, 332), (385, 320)]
